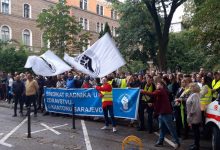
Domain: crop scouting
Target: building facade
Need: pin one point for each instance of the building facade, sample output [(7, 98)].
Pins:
[(18, 19), (176, 27)]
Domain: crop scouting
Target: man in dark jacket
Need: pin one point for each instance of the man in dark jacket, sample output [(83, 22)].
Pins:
[(18, 90)]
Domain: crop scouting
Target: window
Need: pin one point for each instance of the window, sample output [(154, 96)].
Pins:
[(44, 43), (98, 27), (99, 10), (113, 31), (85, 23), (87, 42), (5, 5), (113, 14), (27, 11), (81, 21), (5, 33), (27, 37), (83, 4)]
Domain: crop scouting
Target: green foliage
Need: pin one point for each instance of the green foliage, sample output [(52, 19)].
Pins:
[(12, 60), (136, 36), (134, 66), (207, 21), (183, 51), (189, 11), (61, 29)]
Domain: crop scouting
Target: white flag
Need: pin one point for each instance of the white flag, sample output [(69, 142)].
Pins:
[(101, 59), (48, 64)]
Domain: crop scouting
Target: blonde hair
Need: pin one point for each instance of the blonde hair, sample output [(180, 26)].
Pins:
[(194, 87)]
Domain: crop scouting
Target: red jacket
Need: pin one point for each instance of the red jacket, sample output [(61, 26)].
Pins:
[(104, 88), (161, 102)]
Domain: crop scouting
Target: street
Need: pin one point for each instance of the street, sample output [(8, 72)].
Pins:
[(52, 132)]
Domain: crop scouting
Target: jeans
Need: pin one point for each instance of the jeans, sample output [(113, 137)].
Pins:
[(166, 122), (106, 110)]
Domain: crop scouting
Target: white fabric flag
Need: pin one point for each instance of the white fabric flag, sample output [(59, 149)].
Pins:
[(48, 64), (101, 59)]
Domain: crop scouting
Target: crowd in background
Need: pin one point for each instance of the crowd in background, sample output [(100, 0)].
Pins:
[(188, 94)]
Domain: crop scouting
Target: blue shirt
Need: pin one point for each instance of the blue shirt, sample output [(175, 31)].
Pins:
[(70, 83)]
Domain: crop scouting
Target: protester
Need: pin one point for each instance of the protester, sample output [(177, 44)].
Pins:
[(41, 83), (31, 87), (215, 86), (18, 89), (9, 90), (70, 82), (206, 96), (107, 103), (146, 102), (194, 116), (182, 102), (61, 83), (177, 108), (86, 83), (164, 111)]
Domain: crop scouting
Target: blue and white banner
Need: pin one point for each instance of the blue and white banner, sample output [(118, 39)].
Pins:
[(88, 103)]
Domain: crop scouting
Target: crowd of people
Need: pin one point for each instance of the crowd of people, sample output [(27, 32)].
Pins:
[(177, 101)]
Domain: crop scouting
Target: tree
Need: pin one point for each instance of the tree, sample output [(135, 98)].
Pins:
[(12, 60), (61, 30), (136, 36), (183, 51), (189, 11), (207, 21), (162, 13)]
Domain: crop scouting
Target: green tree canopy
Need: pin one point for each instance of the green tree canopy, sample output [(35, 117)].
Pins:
[(61, 29), (136, 36), (207, 21), (12, 60)]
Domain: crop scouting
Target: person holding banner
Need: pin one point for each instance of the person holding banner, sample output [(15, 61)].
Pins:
[(146, 103), (163, 109), (107, 102)]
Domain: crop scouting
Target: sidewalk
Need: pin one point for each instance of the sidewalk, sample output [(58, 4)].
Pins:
[(6, 104)]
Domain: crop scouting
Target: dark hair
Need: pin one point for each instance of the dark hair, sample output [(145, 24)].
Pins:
[(216, 73), (166, 80), (207, 81), (149, 76), (162, 83)]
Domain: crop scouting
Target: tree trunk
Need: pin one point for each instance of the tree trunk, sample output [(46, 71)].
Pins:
[(162, 60)]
